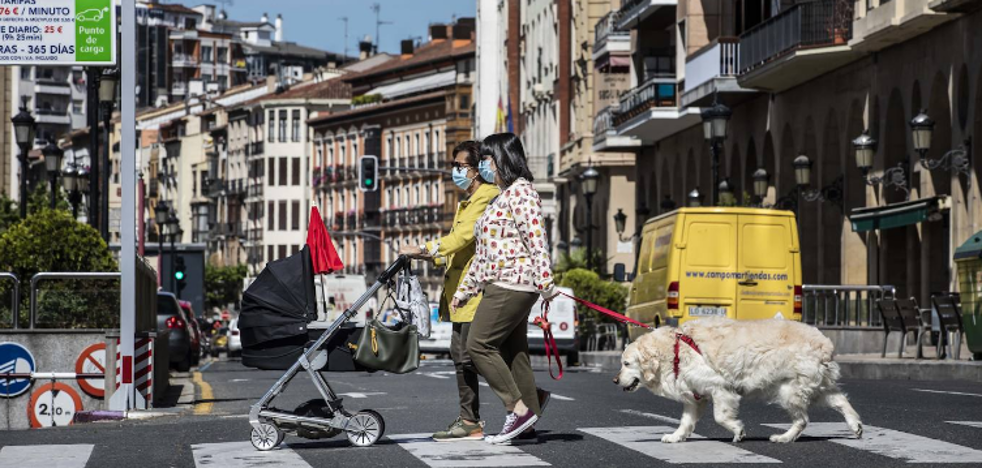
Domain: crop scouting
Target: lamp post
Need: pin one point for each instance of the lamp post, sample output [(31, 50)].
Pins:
[(24, 127), (726, 196), (958, 160), (865, 147), (175, 230), (694, 200), (160, 219), (588, 183), (714, 123), (107, 99), (69, 181), (52, 162), (761, 184)]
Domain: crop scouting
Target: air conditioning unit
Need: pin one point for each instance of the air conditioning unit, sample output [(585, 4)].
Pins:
[(540, 92)]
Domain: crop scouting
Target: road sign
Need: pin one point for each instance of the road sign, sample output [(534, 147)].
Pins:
[(58, 32), (54, 404), (15, 359), (92, 361)]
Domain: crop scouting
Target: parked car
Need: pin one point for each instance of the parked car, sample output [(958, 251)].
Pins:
[(234, 339), (194, 329), (171, 317)]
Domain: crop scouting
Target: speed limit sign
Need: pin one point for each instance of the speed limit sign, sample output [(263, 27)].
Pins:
[(53, 404)]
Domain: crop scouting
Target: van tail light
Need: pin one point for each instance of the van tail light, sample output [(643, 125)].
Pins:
[(797, 299), (673, 296), (175, 322)]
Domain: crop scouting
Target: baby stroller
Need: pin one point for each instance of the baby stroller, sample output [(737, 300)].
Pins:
[(276, 311)]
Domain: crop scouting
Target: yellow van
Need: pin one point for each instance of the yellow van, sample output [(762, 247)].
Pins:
[(741, 263)]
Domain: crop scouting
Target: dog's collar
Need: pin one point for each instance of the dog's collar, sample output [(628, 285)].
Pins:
[(680, 337)]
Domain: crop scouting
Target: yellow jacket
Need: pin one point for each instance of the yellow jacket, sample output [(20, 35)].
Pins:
[(456, 249)]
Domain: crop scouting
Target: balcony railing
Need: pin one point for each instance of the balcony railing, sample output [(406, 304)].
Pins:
[(719, 59), (604, 121), (632, 9), (656, 92), (820, 23), (607, 28), (257, 148), (179, 89), (184, 60)]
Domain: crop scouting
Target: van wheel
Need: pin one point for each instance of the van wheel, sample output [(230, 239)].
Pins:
[(185, 364), (572, 358)]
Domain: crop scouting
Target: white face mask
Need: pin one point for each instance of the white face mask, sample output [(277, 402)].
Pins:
[(460, 178)]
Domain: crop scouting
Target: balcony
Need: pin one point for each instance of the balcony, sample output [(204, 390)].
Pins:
[(651, 111), (800, 43), (611, 46), (52, 86), (605, 137), (891, 23), (713, 70), (215, 188), (633, 12), (257, 149), (52, 116), (184, 61), (179, 89), (956, 6)]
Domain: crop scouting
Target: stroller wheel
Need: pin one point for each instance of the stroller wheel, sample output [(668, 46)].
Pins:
[(364, 428), (266, 437), (379, 416)]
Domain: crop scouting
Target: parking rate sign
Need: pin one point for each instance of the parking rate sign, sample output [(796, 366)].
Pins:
[(57, 32)]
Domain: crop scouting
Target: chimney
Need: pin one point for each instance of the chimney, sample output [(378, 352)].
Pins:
[(279, 28), (463, 29), (438, 32), (265, 18), (408, 47), (365, 48)]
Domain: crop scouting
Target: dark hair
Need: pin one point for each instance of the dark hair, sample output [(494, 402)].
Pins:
[(473, 150), (509, 157)]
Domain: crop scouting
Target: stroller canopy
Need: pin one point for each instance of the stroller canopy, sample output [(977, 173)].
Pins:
[(280, 302)]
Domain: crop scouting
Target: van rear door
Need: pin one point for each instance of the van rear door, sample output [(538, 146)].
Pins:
[(766, 263), (708, 255)]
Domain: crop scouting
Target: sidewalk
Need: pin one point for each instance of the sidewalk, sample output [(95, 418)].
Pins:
[(854, 366)]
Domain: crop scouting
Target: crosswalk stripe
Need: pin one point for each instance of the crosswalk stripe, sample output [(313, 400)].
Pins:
[(647, 440), (651, 415), (244, 455), (475, 453), (893, 444), (977, 424), (48, 456), (946, 392)]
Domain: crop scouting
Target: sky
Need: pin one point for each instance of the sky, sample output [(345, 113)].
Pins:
[(316, 23)]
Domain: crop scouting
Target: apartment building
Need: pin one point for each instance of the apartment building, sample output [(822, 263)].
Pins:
[(410, 111), (847, 69)]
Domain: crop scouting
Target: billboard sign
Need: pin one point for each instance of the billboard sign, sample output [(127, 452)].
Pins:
[(58, 32)]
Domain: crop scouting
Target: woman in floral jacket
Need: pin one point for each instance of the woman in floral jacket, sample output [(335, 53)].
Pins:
[(513, 268)]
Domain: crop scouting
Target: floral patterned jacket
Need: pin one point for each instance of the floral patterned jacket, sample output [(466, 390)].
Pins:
[(512, 251)]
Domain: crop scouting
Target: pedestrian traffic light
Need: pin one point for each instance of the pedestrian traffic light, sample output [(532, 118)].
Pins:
[(179, 268), (368, 173)]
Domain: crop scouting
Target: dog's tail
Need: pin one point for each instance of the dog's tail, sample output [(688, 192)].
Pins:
[(830, 374)]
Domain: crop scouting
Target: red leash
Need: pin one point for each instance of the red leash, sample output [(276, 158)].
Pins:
[(619, 317), (552, 351), (675, 363)]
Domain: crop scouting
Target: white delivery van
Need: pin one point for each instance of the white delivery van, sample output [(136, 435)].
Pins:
[(336, 294), (563, 323)]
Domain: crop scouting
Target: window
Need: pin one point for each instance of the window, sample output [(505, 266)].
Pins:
[(77, 108), (388, 147), (25, 72), (319, 159), (405, 148), (417, 144), (295, 248), (465, 102), (282, 125), (190, 24), (296, 125), (271, 164), (295, 215), (271, 125), (282, 251), (282, 208), (436, 140), (426, 192), (271, 214), (296, 171), (330, 153), (207, 54), (283, 174), (436, 193), (418, 200), (269, 253), (222, 55)]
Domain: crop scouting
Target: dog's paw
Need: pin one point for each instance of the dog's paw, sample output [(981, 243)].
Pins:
[(782, 439), (739, 436), (672, 438), (858, 430)]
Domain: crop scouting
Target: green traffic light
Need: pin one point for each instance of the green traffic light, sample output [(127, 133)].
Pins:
[(368, 182), (179, 275)]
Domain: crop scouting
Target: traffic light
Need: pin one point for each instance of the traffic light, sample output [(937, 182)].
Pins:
[(368, 173), (179, 269)]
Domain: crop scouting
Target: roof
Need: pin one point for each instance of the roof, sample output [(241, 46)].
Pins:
[(288, 48), (370, 109), (426, 54), (227, 24), (173, 8), (334, 88)]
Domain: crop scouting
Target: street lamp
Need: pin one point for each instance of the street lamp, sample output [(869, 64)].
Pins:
[(695, 198), (667, 204), (24, 127), (52, 162), (714, 123), (761, 183), (160, 219), (958, 160), (108, 85), (865, 147), (726, 196), (70, 181), (174, 227), (588, 183)]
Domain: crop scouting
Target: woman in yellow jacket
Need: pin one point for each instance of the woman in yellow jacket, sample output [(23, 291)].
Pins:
[(454, 251)]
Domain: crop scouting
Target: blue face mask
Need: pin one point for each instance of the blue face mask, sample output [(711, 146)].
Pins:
[(484, 168), (460, 178)]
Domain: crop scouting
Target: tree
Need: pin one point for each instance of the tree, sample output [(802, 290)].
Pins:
[(577, 259), (223, 285), (40, 199), (9, 214), (51, 240), (588, 286)]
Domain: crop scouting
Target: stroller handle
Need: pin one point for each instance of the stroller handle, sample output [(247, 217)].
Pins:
[(403, 262)]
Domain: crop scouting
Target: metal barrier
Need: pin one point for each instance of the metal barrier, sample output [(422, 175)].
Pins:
[(14, 299), (844, 305)]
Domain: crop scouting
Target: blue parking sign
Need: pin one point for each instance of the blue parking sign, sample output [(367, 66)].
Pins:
[(15, 359)]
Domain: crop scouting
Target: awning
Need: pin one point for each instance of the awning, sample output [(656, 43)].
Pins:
[(417, 85), (971, 248), (898, 214)]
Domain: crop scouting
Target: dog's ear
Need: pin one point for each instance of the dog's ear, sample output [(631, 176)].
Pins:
[(649, 367)]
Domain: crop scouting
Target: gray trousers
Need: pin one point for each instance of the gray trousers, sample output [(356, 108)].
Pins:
[(467, 382)]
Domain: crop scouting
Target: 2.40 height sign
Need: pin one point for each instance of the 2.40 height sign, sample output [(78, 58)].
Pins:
[(57, 32)]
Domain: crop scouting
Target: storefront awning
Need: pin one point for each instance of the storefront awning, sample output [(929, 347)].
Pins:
[(898, 214)]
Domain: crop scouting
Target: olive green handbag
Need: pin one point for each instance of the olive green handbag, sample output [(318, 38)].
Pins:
[(385, 349)]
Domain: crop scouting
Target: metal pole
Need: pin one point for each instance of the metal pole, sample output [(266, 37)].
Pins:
[(173, 285), (714, 148), (53, 179), (104, 201), (24, 169), (160, 256), (92, 115), (589, 232), (127, 227)]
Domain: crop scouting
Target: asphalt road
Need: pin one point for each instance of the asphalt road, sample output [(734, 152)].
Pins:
[(590, 423)]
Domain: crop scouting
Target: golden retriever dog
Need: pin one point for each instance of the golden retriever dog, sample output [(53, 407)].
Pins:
[(780, 361)]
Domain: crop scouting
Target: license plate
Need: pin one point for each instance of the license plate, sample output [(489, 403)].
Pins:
[(701, 311)]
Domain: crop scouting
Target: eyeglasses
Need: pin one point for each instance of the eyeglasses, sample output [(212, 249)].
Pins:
[(458, 165)]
